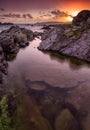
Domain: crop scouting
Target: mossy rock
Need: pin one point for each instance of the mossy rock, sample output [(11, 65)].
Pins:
[(4, 117), (66, 121), (10, 57)]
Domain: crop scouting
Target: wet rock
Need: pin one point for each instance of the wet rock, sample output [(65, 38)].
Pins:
[(3, 65), (66, 121)]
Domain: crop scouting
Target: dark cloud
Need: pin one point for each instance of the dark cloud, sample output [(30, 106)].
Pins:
[(15, 15), (30, 16), (58, 13), (11, 15), (24, 15), (27, 16), (45, 15)]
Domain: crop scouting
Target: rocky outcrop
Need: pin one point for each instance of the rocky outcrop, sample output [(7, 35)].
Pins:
[(82, 18), (11, 41), (68, 40), (14, 38)]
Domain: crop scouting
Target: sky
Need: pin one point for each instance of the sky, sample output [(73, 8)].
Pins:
[(27, 11)]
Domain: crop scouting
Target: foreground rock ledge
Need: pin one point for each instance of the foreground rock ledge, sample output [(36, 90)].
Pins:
[(70, 40)]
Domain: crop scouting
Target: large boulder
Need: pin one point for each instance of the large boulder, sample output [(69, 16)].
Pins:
[(82, 18)]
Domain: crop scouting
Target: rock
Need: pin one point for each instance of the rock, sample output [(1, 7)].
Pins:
[(80, 100), (20, 37), (1, 78), (3, 65), (14, 38), (73, 41), (28, 33), (82, 18), (38, 34), (10, 42), (23, 44), (66, 121), (46, 27)]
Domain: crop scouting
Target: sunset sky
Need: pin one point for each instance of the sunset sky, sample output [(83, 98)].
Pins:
[(26, 11)]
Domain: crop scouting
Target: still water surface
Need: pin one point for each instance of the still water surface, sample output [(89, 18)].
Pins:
[(36, 65)]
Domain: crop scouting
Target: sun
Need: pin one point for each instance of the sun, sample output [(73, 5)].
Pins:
[(74, 13), (69, 18)]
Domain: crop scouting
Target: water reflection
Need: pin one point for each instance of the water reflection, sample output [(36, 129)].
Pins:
[(73, 62), (36, 65)]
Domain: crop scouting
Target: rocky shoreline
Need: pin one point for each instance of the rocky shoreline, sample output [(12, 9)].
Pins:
[(70, 39), (11, 41)]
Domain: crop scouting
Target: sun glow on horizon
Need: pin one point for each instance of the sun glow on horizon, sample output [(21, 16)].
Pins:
[(69, 18), (74, 13)]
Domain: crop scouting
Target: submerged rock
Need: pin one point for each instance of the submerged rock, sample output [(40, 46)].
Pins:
[(68, 40), (66, 121)]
